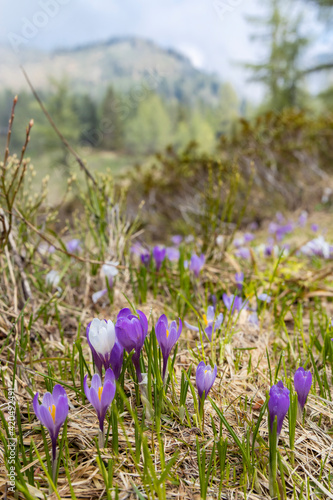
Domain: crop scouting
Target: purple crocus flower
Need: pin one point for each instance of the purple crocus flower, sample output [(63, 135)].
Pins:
[(314, 227), (131, 332), (116, 359), (172, 254), (98, 295), (278, 405), (239, 277), (73, 245), (209, 322), (167, 337), (264, 297), (205, 378), (177, 239), (302, 383), (145, 258), (52, 413), (302, 219), (283, 230), (101, 338), (159, 254), (248, 237), (234, 303), (243, 253), (196, 264), (100, 395)]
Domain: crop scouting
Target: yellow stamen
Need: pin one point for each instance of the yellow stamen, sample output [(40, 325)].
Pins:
[(52, 412), (167, 333), (206, 371), (204, 317), (100, 390)]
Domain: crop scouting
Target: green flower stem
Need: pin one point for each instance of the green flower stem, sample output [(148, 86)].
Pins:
[(273, 440)]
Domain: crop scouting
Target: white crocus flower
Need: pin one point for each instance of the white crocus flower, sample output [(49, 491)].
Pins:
[(110, 269), (102, 336)]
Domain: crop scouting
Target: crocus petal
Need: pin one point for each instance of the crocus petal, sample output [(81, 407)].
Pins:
[(218, 321), (47, 399), (94, 400), (58, 391), (96, 382), (46, 419), (109, 390), (86, 388), (97, 295), (210, 313), (61, 411), (35, 405), (191, 327)]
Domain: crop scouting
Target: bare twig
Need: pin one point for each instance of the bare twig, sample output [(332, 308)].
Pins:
[(61, 137)]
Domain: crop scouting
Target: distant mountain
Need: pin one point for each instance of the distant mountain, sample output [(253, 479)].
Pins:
[(130, 64)]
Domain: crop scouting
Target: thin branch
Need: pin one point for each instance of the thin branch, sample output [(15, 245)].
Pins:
[(62, 138)]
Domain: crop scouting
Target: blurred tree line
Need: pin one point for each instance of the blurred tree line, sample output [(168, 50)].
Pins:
[(119, 122)]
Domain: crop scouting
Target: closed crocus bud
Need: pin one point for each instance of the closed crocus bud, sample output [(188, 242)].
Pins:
[(100, 395), (278, 405), (205, 377), (131, 333), (196, 264), (101, 338), (159, 254), (52, 413), (167, 337), (302, 383)]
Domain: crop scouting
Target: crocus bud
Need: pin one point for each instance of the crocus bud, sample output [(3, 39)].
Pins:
[(196, 264), (167, 337), (100, 395), (159, 254), (131, 333), (205, 378), (52, 413), (302, 383), (278, 405), (101, 337), (239, 277)]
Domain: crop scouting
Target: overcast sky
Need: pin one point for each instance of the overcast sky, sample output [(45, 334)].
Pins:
[(213, 39)]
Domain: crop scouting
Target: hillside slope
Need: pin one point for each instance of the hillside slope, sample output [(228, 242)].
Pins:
[(126, 63)]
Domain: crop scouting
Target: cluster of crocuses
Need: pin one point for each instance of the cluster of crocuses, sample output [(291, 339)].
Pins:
[(278, 406), (160, 253), (107, 342), (279, 402)]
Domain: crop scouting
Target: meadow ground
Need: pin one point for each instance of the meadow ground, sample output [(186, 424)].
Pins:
[(159, 444)]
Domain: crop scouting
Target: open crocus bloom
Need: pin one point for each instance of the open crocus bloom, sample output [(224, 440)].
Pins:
[(209, 322), (167, 337), (234, 302), (100, 395), (205, 378), (101, 338), (131, 333), (52, 412), (278, 404)]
